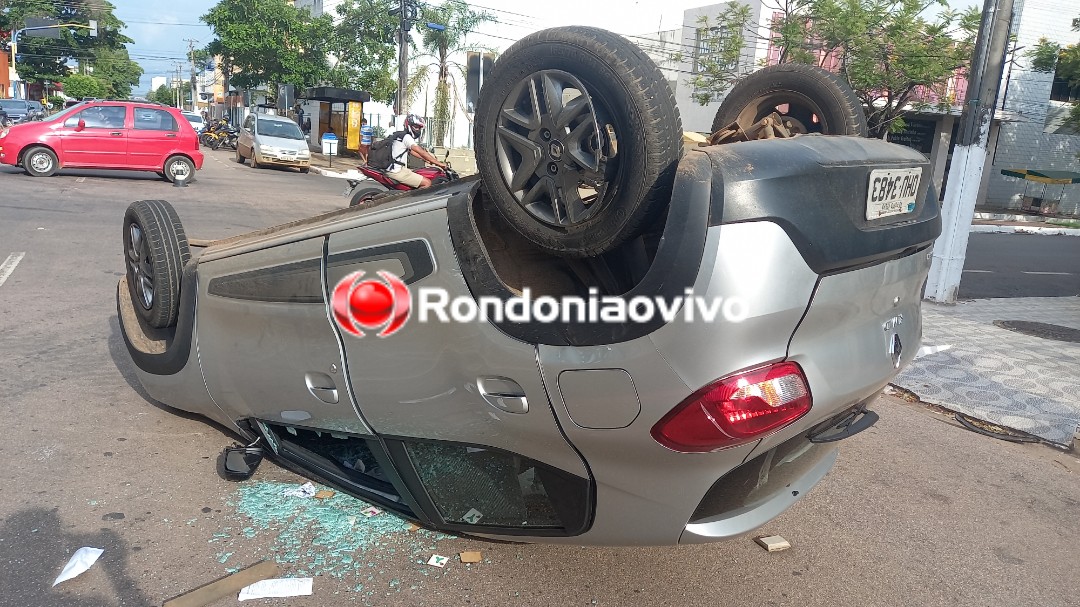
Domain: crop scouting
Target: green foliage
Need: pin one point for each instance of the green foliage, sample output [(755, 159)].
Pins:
[(888, 50), (1043, 56), (45, 59), (718, 67), (1073, 121), (440, 45), (116, 69), (270, 42), (57, 102), (166, 95), (80, 86), (1068, 66), (364, 49)]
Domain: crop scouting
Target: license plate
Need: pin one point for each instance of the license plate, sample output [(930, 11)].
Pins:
[(892, 192)]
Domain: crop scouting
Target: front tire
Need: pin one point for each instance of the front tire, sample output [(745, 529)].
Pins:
[(179, 167), (578, 138), (40, 162), (155, 251), (813, 100)]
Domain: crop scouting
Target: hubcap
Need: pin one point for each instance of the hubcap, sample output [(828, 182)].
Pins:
[(555, 148), (41, 162), (179, 169), (140, 266)]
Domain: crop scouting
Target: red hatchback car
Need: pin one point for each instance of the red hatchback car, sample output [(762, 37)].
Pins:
[(106, 135)]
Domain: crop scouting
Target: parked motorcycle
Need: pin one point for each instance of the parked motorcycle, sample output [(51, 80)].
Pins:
[(361, 192), (217, 134)]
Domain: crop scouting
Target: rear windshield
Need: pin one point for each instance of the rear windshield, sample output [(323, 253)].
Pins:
[(278, 128), (12, 104)]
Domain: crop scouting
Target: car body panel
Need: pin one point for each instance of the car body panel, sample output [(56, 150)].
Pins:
[(283, 151)]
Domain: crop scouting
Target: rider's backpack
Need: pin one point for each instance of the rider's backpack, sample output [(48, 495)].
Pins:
[(380, 155)]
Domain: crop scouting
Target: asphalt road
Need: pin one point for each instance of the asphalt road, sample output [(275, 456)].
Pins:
[(917, 512), (1021, 265)]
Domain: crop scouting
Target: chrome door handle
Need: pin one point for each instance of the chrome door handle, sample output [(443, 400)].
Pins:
[(170, 134), (503, 393), (116, 133), (322, 387)]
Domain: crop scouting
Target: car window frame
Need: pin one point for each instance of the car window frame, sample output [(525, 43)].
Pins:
[(77, 116), (135, 123)]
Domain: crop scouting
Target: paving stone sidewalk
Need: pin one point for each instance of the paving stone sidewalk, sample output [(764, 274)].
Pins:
[(969, 365)]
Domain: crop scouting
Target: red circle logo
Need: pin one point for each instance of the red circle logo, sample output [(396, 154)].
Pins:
[(370, 304)]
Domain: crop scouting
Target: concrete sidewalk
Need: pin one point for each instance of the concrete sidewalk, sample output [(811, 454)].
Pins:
[(970, 365)]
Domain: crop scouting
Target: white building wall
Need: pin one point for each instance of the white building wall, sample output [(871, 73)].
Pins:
[(664, 48), (697, 117), (1023, 144), (157, 82)]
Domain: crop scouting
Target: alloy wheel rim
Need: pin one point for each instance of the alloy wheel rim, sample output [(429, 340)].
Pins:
[(140, 265), (556, 149), (179, 169), (41, 162)]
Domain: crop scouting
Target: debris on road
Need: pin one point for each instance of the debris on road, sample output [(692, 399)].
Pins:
[(79, 562), (277, 588), (437, 560), (324, 494), (773, 543), (221, 588), (470, 556), (370, 512), (305, 491)]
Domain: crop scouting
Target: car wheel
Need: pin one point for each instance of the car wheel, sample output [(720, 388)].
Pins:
[(238, 158), (155, 250), (578, 138), (808, 99), (363, 195), (254, 163), (179, 167), (305, 170), (40, 162)]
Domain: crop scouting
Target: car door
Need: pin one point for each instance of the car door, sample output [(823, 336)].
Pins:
[(245, 141), (96, 137), (153, 136), (463, 402)]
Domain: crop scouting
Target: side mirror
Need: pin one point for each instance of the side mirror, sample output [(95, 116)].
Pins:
[(81, 126)]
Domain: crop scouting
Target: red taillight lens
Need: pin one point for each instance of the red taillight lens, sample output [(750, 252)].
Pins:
[(736, 409)]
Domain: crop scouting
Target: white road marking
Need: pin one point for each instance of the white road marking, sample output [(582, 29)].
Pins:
[(980, 271), (80, 180), (1050, 273), (8, 266)]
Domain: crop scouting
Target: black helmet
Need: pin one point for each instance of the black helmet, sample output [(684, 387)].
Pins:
[(414, 125)]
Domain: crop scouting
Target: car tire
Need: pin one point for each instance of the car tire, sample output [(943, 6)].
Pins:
[(254, 163), (305, 170), (179, 165), (40, 162), (817, 100), (623, 142), (155, 252), (363, 195), (238, 158)]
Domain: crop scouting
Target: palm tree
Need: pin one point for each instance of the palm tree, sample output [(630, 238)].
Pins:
[(439, 45)]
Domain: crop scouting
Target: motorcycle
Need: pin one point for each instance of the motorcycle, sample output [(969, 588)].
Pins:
[(361, 192), (216, 134)]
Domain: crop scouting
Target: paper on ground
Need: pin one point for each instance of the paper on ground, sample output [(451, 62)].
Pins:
[(305, 490), (277, 588), (79, 562)]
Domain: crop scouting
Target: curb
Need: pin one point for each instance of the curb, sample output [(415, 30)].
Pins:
[(994, 229), (351, 174)]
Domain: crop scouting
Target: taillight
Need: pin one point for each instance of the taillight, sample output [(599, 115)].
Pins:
[(736, 410)]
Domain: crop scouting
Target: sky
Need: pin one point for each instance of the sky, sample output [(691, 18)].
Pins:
[(160, 29)]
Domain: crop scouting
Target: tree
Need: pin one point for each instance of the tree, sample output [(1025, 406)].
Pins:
[(270, 42), (166, 94), (362, 48), (720, 46), (889, 51), (440, 45), (46, 59), (116, 69), (80, 86)]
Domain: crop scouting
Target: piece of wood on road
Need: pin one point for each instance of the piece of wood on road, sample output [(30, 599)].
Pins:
[(773, 543), (230, 585), (470, 556)]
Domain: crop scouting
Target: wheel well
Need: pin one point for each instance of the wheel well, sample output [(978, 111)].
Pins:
[(22, 152), (171, 156)]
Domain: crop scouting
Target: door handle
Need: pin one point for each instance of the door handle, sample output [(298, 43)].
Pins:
[(503, 393), (170, 135), (322, 387), (116, 133)]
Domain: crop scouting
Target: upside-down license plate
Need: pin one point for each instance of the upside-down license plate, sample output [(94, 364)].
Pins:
[(892, 192)]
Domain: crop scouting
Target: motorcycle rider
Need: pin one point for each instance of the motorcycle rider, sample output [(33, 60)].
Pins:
[(407, 144)]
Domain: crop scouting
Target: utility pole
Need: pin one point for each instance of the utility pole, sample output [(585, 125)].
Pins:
[(179, 87), (969, 155), (194, 89), (407, 14)]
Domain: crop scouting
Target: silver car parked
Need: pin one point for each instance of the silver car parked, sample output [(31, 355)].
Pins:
[(310, 340), (266, 139)]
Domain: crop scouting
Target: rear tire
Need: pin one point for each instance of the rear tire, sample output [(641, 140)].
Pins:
[(176, 166), (817, 100), (238, 158), (155, 252), (364, 195), (588, 161), (40, 162)]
